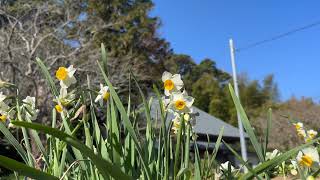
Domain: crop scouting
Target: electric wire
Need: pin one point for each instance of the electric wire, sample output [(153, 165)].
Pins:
[(258, 43)]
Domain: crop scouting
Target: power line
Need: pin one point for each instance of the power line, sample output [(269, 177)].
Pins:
[(278, 36)]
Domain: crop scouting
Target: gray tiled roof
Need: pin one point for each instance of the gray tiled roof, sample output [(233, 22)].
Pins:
[(205, 123)]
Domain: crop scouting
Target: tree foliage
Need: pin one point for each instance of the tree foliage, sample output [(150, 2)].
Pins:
[(71, 31)]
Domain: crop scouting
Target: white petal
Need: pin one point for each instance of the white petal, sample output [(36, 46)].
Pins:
[(167, 93), (177, 96), (63, 85), (178, 83), (63, 92), (71, 70), (165, 101), (98, 98), (73, 80), (189, 101), (299, 156), (67, 82), (101, 86), (165, 76), (106, 88), (311, 151)]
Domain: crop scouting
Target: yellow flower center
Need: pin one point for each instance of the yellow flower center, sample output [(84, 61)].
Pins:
[(106, 96), (298, 126), (59, 108), (312, 135), (168, 84), (3, 117), (62, 73), (306, 160), (180, 104)]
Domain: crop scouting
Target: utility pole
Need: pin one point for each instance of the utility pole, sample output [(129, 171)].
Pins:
[(235, 84)]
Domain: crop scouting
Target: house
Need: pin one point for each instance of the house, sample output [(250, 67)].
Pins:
[(207, 127)]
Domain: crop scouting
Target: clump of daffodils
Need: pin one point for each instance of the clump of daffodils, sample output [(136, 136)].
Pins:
[(176, 100), (308, 157), (306, 135)]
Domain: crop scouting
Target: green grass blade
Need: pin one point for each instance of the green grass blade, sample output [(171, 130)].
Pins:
[(146, 109), (187, 146), (267, 132), (241, 160), (104, 58), (13, 141), (127, 123), (115, 135), (25, 137), (247, 125), (105, 167), (25, 170), (47, 75), (197, 168), (216, 149), (177, 148)]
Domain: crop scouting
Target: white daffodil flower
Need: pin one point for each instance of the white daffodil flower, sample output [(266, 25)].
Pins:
[(31, 111), (65, 98), (4, 115), (301, 133), (66, 76), (298, 125), (225, 166), (103, 94), (312, 133), (308, 157), (171, 83), (181, 102), (273, 154)]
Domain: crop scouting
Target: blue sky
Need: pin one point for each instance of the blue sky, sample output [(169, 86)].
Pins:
[(202, 29)]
